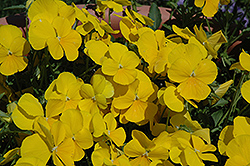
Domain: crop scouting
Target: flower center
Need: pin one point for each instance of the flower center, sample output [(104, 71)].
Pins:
[(59, 38), (54, 149), (145, 154), (108, 132), (67, 98), (73, 137), (120, 66), (93, 98), (136, 97), (10, 53), (192, 74), (196, 150)]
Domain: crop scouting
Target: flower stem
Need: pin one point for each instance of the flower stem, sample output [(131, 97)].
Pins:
[(236, 97)]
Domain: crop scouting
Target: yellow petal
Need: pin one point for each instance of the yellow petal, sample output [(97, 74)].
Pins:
[(236, 65), (96, 54), (136, 112), (9, 33), (34, 146), (129, 60), (241, 126), (192, 158), (133, 148), (55, 48), (87, 91), (125, 76), (110, 67), (158, 153), (180, 70), (72, 118), (20, 46), (206, 71), (84, 138), (210, 8), (39, 32), (66, 151), (172, 100), (118, 136), (223, 88), (13, 64), (185, 33), (245, 91), (194, 89), (244, 60), (58, 132), (98, 124), (144, 141)]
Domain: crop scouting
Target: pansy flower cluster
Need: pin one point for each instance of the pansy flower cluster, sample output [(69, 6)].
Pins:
[(76, 116)]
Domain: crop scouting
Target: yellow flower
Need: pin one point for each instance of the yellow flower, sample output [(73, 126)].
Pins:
[(53, 144), (212, 43), (152, 48), (107, 127), (27, 111), (238, 151), (244, 62), (13, 47), (58, 36), (62, 94), (121, 65), (50, 9), (73, 121), (134, 103), (116, 5), (95, 95), (144, 149), (210, 7), (241, 127), (192, 71), (129, 25), (192, 152)]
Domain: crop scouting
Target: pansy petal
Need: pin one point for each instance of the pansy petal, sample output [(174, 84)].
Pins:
[(84, 138), (180, 70), (244, 60), (34, 146), (136, 112), (72, 118), (70, 44), (118, 136), (206, 71), (39, 31), (110, 67), (172, 100), (55, 48), (133, 148), (129, 60), (13, 64), (125, 76), (8, 34), (245, 91)]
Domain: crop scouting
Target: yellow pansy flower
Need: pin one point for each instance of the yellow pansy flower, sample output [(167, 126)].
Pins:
[(95, 96), (135, 102), (58, 36), (53, 144), (50, 9), (154, 50), (13, 47), (62, 94), (106, 126), (240, 127), (116, 5), (212, 43), (121, 65), (144, 150), (244, 62), (192, 71), (238, 151), (27, 112), (210, 7), (73, 121)]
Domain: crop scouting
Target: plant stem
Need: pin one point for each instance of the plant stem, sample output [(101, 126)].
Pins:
[(89, 69), (236, 97), (209, 28)]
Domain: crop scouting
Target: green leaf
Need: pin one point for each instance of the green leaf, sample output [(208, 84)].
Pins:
[(155, 14), (217, 116), (15, 7), (220, 103)]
